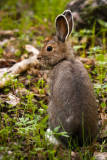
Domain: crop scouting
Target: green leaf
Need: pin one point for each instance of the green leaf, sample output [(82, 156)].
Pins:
[(102, 23), (56, 129)]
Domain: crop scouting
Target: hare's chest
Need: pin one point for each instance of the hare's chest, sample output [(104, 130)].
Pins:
[(60, 77), (54, 77)]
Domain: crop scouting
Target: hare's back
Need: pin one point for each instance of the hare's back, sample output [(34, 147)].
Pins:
[(71, 80), (72, 100), (72, 90)]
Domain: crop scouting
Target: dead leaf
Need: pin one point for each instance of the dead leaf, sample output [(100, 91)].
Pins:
[(12, 100), (2, 43), (100, 156), (75, 155)]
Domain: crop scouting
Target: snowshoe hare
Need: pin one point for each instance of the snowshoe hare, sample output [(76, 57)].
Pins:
[(72, 103)]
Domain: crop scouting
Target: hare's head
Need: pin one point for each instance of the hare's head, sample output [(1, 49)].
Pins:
[(57, 49)]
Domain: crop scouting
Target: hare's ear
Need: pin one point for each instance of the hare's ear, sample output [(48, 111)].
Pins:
[(69, 17), (62, 28)]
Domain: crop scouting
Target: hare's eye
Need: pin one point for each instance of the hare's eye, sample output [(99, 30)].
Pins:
[(49, 48)]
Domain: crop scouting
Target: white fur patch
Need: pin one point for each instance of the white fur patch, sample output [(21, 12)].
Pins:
[(69, 119)]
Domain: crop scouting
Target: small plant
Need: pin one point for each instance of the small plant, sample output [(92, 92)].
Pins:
[(40, 86), (1, 52)]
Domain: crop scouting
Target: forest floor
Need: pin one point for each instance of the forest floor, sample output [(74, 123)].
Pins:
[(24, 96)]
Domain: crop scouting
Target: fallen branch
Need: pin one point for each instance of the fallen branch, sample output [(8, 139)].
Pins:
[(32, 49), (88, 61), (8, 32), (18, 68)]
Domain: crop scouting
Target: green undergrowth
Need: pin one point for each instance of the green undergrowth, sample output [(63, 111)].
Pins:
[(23, 102)]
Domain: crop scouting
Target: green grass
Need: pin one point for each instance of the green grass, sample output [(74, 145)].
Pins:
[(40, 11), (23, 126)]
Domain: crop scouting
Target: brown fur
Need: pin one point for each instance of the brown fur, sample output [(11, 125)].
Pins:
[(72, 100)]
